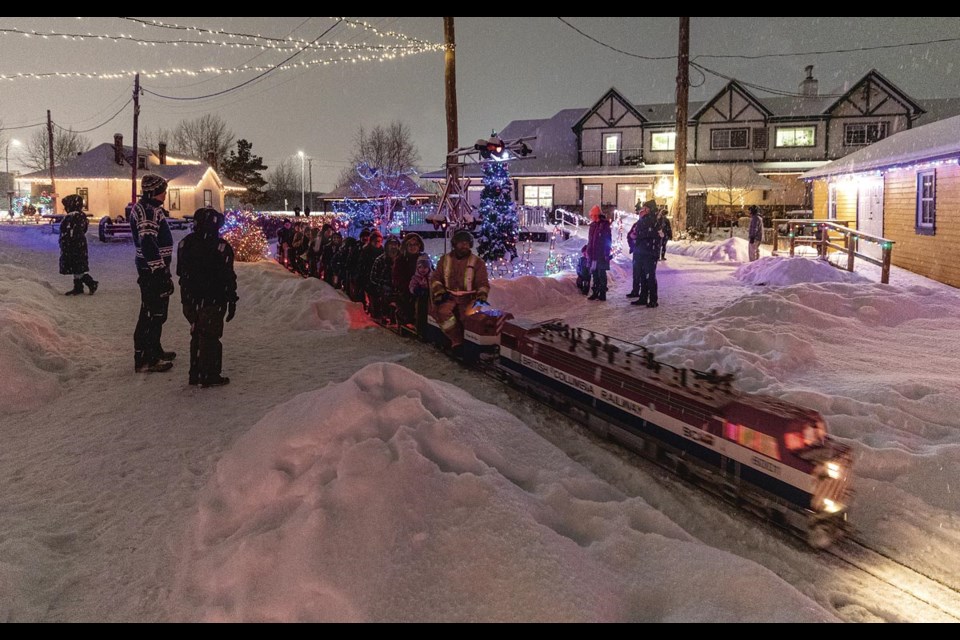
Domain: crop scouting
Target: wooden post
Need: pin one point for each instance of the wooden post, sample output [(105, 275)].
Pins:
[(136, 154), (450, 84), (824, 232), (792, 230), (776, 238), (53, 180), (680, 145), (885, 268), (850, 245)]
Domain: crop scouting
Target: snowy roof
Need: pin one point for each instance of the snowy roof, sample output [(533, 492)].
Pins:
[(929, 142), (375, 189), (727, 176), (100, 163)]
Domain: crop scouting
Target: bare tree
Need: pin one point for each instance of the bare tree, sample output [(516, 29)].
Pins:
[(203, 135), (66, 145), (386, 151), (152, 139), (283, 182)]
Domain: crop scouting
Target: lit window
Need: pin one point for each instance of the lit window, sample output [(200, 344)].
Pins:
[(832, 201), (796, 136), (793, 441), (611, 142), (538, 196), (663, 141), (207, 198)]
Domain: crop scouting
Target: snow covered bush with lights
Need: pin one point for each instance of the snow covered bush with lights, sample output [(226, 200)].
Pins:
[(245, 235)]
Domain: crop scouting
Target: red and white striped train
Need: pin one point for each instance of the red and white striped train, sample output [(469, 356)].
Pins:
[(771, 456)]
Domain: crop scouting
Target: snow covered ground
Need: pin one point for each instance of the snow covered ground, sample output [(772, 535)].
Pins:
[(346, 474)]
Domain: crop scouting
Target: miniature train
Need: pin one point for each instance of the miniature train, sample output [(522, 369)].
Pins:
[(770, 456)]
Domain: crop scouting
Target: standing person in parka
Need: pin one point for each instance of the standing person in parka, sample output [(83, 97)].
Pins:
[(208, 290), (667, 229), (646, 253), (154, 243), (73, 246), (599, 246), (755, 233)]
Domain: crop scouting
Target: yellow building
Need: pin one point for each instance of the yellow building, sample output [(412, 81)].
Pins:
[(905, 188)]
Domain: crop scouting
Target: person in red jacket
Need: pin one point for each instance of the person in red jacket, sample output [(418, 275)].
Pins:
[(599, 245)]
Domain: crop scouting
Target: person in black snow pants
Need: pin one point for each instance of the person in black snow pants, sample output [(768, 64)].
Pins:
[(154, 243), (73, 246), (208, 290), (646, 253)]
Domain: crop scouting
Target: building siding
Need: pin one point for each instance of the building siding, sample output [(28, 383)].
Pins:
[(931, 256)]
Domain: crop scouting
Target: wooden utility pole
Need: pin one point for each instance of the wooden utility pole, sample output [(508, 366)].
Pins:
[(136, 149), (450, 83), (53, 180), (680, 148), (310, 164)]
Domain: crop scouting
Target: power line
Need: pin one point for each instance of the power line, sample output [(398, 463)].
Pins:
[(107, 121), (246, 82), (759, 87), (612, 48), (828, 51)]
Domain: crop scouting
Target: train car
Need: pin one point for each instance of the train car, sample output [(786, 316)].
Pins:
[(772, 456), (481, 333)]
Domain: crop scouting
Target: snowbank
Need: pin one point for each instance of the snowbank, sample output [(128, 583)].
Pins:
[(729, 250), (390, 497), (522, 295), (787, 271)]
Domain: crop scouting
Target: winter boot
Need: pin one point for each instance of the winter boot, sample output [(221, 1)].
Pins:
[(157, 367), (215, 381), (90, 282), (77, 288), (633, 294), (602, 297), (167, 356), (594, 296)]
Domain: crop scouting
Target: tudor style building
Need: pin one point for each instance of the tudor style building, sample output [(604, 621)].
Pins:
[(742, 149)]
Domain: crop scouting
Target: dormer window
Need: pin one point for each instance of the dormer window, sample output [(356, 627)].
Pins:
[(141, 162)]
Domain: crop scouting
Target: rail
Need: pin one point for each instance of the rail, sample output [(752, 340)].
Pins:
[(823, 242)]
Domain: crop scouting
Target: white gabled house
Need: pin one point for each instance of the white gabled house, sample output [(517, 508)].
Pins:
[(102, 176)]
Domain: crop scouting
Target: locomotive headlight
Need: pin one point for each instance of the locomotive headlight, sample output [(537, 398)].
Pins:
[(830, 506), (833, 470)]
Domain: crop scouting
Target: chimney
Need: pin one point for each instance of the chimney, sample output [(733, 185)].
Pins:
[(162, 152), (118, 148), (809, 85), (212, 159)]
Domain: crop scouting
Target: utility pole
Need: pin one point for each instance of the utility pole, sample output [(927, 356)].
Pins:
[(136, 149), (450, 83), (53, 181), (680, 148), (310, 165)]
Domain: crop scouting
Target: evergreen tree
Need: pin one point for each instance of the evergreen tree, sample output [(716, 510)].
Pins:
[(499, 227), (244, 168)]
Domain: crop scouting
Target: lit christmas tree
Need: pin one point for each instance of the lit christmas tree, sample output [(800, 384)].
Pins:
[(499, 228)]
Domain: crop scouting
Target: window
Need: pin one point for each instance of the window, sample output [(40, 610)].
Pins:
[(926, 202), (729, 138), (141, 162), (611, 142), (173, 199), (663, 141), (84, 193), (207, 198), (796, 136), (832, 202), (863, 133), (747, 437), (538, 196)]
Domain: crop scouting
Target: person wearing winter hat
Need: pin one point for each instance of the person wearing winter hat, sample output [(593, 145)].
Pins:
[(73, 246), (404, 268), (599, 246), (208, 290), (380, 290), (646, 252), (154, 245), (459, 281)]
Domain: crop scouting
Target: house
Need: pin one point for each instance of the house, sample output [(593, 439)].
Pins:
[(102, 176), (394, 189), (905, 188), (742, 149)]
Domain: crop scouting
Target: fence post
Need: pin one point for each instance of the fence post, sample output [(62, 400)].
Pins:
[(824, 232), (850, 245), (885, 269), (776, 238), (791, 230)]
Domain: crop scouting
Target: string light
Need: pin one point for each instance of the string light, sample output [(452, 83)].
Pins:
[(273, 44), (244, 234), (166, 73)]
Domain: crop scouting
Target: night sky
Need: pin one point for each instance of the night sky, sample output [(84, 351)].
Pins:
[(507, 69)]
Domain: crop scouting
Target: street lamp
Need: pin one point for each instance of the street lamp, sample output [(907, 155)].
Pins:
[(303, 197)]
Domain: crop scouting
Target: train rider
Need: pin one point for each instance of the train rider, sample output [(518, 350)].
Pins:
[(458, 282)]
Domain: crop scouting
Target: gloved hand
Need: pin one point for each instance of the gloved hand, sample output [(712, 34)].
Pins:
[(480, 302), (165, 284), (231, 310)]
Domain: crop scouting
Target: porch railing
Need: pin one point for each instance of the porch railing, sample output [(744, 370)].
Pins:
[(603, 158), (821, 235)]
